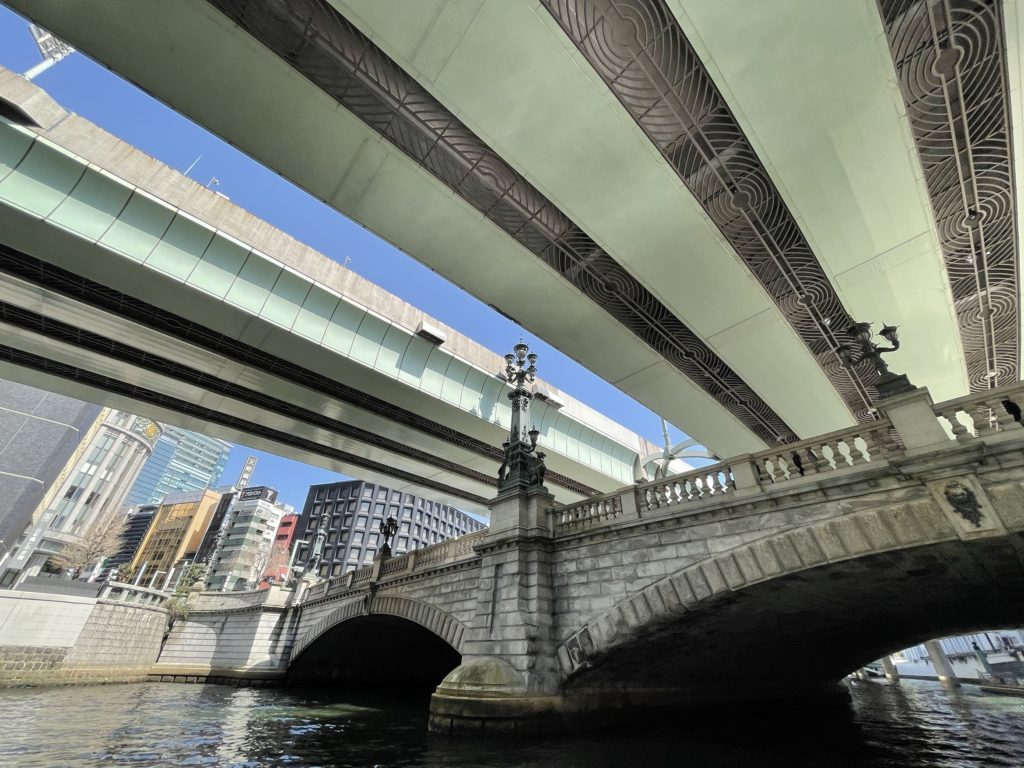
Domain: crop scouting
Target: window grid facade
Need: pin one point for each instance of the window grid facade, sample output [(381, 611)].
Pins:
[(355, 510)]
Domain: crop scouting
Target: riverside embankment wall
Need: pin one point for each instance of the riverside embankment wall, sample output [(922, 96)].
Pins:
[(59, 639)]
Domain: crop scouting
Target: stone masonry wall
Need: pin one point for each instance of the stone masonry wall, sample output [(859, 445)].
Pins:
[(248, 643), (595, 570), (119, 642), (57, 639), (452, 589)]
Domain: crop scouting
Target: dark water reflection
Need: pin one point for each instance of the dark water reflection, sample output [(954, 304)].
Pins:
[(912, 725)]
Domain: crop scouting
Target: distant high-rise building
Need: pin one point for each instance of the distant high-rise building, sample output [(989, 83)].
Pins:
[(93, 486), (175, 534), (139, 520), (40, 432), (182, 461), (248, 538), (354, 511)]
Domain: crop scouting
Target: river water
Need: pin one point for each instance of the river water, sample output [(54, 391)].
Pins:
[(912, 725)]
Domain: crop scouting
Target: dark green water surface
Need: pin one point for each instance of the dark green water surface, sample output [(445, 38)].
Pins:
[(163, 724)]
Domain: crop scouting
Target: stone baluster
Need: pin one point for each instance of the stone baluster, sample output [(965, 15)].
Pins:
[(869, 451), (1004, 419), (675, 492), (960, 432), (857, 456), (765, 471), (817, 461), (981, 416), (717, 486), (838, 458)]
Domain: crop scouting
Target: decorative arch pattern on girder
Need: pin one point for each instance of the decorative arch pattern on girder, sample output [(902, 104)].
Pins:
[(328, 50), (950, 60), (638, 48), (439, 622)]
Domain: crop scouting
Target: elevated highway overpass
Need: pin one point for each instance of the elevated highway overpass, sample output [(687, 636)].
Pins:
[(698, 196), (125, 283)]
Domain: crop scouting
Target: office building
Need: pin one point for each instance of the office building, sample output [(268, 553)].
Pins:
[(248, 537), (353, 512), (280, 553), (182, 461), (175, 534), (40, 434), (138, 521), (93, 486)]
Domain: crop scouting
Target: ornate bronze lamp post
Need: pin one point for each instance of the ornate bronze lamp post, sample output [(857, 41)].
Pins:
[(317, 552), (523, 466), (862, 349), (388, 529)]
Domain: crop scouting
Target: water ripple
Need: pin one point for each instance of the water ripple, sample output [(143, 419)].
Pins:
[(913, 725)]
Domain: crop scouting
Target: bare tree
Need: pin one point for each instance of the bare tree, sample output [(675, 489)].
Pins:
[(277, 561), (104, 537), (259, 562)]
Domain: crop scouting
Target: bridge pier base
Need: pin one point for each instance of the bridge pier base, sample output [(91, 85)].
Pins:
[(891, 673), (508, 681), (943, 669)]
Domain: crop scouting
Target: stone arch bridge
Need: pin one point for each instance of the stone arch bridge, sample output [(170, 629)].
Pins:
[(765, 576)]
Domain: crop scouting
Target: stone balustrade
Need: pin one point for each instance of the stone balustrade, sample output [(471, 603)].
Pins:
[(115, 591), (589, 512), (826, 453), (417, 561), (982, 413), (685, 488), (971, 417)]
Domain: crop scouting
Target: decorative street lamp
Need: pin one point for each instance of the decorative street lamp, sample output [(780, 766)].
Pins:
[(523, 466), (388, 529), (862, 349), (317, 553)]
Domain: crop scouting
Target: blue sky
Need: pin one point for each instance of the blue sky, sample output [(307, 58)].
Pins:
[(85, 87)]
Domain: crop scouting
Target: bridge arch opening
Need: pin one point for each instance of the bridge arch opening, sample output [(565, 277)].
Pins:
[(799, 634), (373, 650)]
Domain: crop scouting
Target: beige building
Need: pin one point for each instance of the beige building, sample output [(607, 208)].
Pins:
[(91, 485), (176, 531)]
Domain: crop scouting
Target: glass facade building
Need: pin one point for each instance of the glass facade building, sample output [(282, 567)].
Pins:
[(354, 511), (91, 488), (182, 461)]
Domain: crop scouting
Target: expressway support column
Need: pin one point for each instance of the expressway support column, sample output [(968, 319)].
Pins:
[(891, 673), (943, 669), (509, 677)]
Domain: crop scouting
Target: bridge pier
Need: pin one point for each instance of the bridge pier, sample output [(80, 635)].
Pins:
[(891, 673), (509, 677), (943, 669)]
